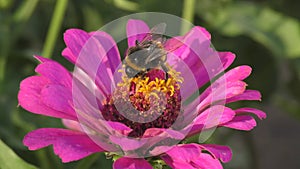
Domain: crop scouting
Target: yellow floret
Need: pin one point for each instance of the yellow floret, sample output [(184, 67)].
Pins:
[(155, 86)]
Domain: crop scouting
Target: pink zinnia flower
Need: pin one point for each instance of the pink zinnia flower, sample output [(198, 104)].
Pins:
[(93, 101)]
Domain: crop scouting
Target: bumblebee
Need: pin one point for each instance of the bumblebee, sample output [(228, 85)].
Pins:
[(147, 54), (143, 57)]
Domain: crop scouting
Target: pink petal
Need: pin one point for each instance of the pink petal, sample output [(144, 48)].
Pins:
[(131, 163), (173, 43), (168, 133), (168, 137), (242, 122), (127, 143), (95, 63), (195, 51), (198, 55), (217, 114), (226, 58), (223, 153), (95, 53), (190, 67), (75, 39), (227, 86), (136, 30), (86, 95), (102, 44), (58, 98), (90, 125), (42, 59), (186, 151), (247, 95), (204, 31), (197, 61), (220, 92), (183, 152), (67, 53), (211, 117), (71, 124), (232, 78), (260, 114), (119, 127), (238, 73), (142, 146), (206, 161), (56, 73), (29, 98), (212, 64), (67, 144), (111, 57), (180, 165), (157, 150), (190, 156)]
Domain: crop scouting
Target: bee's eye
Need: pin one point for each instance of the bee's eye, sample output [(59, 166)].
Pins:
[(130, 72)]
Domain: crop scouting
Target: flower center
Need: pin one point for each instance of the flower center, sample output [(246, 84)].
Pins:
[(145, 101)]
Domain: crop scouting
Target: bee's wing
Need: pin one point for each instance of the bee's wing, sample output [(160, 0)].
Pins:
[(173, 44), (169, 47), (156, 33), (155, 55)]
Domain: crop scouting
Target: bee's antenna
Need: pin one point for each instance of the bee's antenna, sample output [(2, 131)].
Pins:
[(137, 43)]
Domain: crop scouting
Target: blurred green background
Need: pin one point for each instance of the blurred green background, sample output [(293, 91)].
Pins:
[(264, 34)]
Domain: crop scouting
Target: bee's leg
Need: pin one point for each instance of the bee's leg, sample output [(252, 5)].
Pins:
[(166, 69), (143, 74), (167, 76)]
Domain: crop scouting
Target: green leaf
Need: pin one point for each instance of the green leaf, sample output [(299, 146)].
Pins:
[(279, 33), (9, 160)]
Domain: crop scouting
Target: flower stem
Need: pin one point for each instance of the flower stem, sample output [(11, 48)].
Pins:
[(58, 15), (187, 14)]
